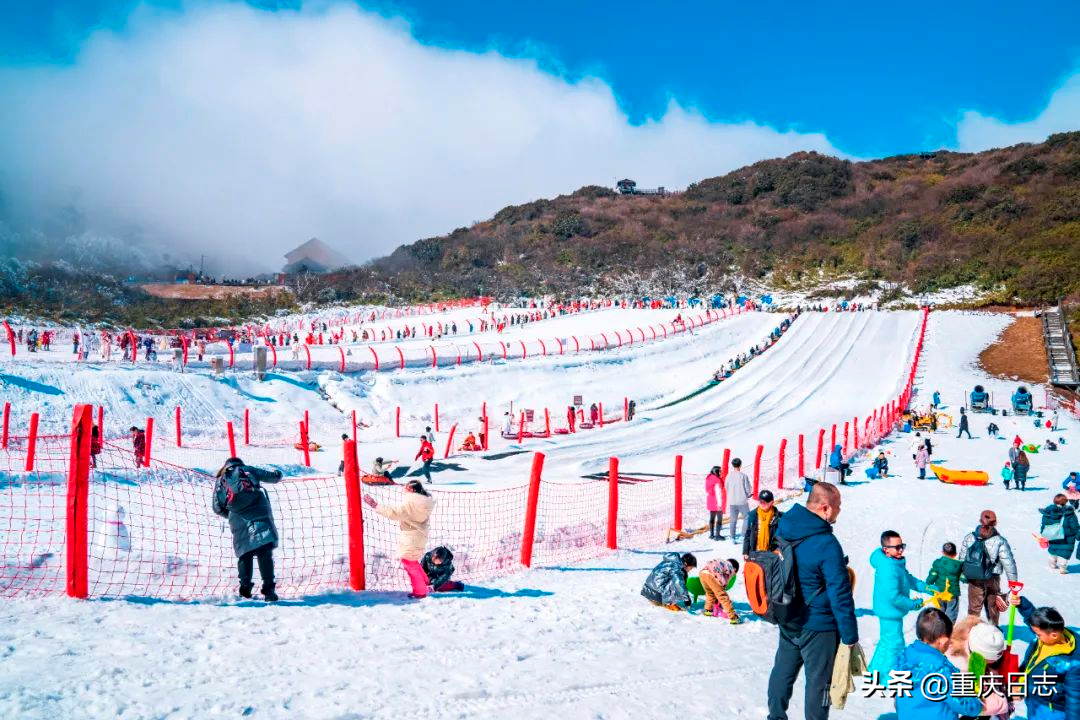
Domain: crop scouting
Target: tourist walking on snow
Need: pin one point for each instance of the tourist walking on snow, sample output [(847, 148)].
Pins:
[(1060, 529), (810, 643), (1020, 469), (427, 454), (964, 424), (738, 490), (922, 459), (986, 555), (412, 515)]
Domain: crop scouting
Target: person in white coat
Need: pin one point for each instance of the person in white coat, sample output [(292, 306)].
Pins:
[(412, 515)]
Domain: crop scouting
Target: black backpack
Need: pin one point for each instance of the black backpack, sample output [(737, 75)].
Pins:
[(241, 489), (772, 584), (978, 565)]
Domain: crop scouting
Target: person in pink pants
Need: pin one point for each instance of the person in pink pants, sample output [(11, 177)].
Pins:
[(412, 516)]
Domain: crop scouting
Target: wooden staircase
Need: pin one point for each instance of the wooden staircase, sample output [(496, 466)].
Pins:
[(1059, 349)]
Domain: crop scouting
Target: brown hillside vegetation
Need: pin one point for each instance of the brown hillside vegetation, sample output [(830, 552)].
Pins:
[(1006, 218), (1018, 353)]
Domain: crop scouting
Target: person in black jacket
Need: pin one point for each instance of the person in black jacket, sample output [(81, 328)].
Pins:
[(829, 616), (239, 496), (767, 511), (438, 565)]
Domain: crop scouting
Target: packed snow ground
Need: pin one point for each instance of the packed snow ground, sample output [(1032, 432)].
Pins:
[(576, 640)]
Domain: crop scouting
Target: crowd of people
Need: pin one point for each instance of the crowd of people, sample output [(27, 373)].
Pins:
[(736, 363)]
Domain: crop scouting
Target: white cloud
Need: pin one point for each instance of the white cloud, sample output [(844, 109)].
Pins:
[(976, 131), (229, 129)]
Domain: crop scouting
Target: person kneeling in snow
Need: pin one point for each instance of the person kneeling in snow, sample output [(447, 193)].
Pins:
[(438, 565), (238, 496), (666, 584), (715, 577)]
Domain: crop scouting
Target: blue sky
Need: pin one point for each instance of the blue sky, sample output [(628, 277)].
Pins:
[(209, 126), (877, 78)]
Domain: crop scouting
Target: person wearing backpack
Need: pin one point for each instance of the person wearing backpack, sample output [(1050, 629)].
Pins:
[(1060, 528), (239, 496), (893, 585), (986, 554), (821, 613)]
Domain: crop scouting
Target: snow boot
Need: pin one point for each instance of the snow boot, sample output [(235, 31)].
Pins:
[(268, 593), (245, 591)]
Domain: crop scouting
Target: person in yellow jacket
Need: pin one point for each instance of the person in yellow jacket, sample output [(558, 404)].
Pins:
[(413, 515)]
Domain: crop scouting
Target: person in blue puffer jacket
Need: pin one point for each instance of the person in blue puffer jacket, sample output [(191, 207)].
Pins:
[(1051, 665), (926, 657), (893, 585), (836, 462)]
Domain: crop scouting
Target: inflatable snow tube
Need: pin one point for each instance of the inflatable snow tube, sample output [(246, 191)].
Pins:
[(376, 480), (960, 477), (312, 446)]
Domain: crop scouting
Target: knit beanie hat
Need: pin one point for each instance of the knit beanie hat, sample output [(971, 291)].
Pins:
[(988, 641)]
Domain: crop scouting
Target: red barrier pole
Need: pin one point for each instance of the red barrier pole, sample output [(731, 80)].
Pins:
[(354, 425), (845, 438), (7, 425), (780, 470), (855, 430), (436, 417), (757, 468), (78, 491), (304, 442), (613, 504), (232, 438), (600, 414), (832, 442), (678, 492), (547, 422), (179, 432), (485, 431), (247, 426), (450, 441), (355, 516), (101, 422), (307, 423), (521, 426), (397, 421), (625, 408), (529, 531), (802, 456), (149, 441), (31, 443)]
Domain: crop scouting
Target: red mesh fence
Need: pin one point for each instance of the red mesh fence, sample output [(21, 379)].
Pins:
[(571, 522)]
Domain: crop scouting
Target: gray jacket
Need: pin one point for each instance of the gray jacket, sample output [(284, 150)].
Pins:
[(248, 510), (666, 583), (738, 488), (997, 549)]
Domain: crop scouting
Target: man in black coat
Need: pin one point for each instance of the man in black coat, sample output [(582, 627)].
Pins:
[(238, 496)]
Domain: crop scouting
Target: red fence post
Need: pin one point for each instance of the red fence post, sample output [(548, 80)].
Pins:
[(521, 426), (247, 426), (101, 422), (845, 438), (179, 430), (625, 408), (232, 438), (780, 469), (354, 425), (78, 492), (600, 414), (820, 442), (802, 456), (450, 441), (678, 492), (303, 441), (436, 417), (149, 441), (529, 531), (832, 442), (31, 443), (307, 422), (855, 430), (757, 469), (547, 422), (7, 425), (485, 430), (613, 504), (355, 516), (397, 421)]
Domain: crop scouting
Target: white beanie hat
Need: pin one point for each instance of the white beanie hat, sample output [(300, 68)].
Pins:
[(988, 641)]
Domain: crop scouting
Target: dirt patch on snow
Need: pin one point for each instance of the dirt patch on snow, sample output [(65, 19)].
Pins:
[(1018, 353)]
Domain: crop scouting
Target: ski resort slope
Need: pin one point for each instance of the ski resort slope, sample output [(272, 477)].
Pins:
[(577, 641)]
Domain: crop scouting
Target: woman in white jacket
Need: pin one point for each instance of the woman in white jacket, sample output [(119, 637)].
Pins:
[(412, 515)]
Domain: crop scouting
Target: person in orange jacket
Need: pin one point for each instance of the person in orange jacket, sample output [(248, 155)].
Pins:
[(427, 454)]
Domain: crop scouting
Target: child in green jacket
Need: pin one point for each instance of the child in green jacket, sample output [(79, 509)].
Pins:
[(945, 577)]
